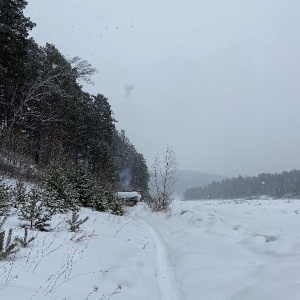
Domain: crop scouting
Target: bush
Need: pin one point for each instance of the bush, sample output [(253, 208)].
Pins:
[(163, 181)]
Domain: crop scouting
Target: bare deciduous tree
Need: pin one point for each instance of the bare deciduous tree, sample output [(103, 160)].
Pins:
[(163, 180)]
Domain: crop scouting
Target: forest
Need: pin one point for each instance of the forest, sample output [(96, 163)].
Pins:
[(48, 121), (285, 184)]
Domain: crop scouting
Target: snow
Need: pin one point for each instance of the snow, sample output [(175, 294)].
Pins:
[(213, 249), (127, 195)]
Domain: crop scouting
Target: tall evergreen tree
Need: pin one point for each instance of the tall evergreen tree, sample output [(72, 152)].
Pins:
[(131, 166), (14, 44), (14, 28)]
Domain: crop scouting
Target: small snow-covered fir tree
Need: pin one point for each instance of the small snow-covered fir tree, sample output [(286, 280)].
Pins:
[(34, 212), (7, 246), (19, 193), (74, 222), (24, 242), (58, 191), (83, 186), (99, 198), (4, 199), (113, 204)]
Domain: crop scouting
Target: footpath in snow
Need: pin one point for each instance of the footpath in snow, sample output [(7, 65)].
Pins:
[(211, 250), (165, 275)]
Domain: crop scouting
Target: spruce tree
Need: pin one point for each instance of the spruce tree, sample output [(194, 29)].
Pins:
[(99, 198), (83, 186), (34, 212), (114, 205), (74, 222), (4, 199), (14, 43), (7, 246), (58, 190), (25, 241), (19, 193), (14, 28)]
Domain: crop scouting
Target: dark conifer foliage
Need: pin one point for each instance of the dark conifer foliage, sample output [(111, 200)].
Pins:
[(14, 45), (14, 28), (45, 115), (131, 168), (286, 184)]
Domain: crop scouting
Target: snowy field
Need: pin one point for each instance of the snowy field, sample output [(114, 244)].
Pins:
[(208, 250)]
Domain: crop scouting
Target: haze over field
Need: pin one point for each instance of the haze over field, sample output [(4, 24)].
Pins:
[(187, 179)]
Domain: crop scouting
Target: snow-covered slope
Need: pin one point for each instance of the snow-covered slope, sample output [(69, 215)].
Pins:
[(212, 250)]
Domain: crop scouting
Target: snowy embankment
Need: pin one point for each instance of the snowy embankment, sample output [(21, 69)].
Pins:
[(207, 250), (110, 258)]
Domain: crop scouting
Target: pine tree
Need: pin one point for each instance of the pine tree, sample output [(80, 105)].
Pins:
[(99, 198), (14, 41), (58, 191), (14, 35), (25, 241), (19, 193), (74, 222), (83, 186), (4, 199), (113, 204), (131, 166), (7, 246), (35, 212), (97, 135)]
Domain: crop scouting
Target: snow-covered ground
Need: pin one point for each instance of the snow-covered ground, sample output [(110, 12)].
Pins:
[(209, 250)]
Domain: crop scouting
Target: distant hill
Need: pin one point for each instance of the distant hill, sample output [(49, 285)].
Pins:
[(188, 179)]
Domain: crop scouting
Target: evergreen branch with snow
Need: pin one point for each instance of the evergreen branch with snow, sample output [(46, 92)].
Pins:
[(74, 222), (7, 246), (25, 241)]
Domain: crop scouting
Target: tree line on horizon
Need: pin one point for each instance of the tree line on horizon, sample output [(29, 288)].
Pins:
[(285, 184), (46, 117)]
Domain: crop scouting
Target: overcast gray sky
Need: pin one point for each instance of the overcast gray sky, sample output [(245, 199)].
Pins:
[(217, 80)]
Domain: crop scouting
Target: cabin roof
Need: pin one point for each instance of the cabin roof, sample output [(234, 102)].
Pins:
[(127, 195)]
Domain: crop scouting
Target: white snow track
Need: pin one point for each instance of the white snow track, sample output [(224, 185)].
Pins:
[(169, 287)]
